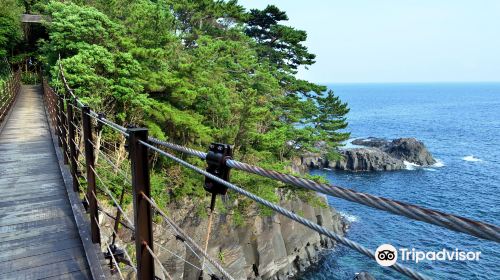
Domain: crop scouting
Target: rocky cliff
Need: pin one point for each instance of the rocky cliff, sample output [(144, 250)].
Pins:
[(271, 247), (367, 159), (406, 149), (374, 154), (262, 248)]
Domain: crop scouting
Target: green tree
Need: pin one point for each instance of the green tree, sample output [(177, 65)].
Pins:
[(330, 119), (282, 46), (10, 30), (196, 72)]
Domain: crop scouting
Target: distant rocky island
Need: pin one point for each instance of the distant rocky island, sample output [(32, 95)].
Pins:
[(374, 154)]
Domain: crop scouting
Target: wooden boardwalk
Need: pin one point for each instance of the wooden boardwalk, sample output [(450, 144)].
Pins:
[(39, 238)]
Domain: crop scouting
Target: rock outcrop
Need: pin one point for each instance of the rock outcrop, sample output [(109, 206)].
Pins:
[(382, 155), (363, 276), (367, 159), (272, 247), (409, 149), (374, 154)]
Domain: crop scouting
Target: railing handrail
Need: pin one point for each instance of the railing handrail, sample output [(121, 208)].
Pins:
[(140, 181)]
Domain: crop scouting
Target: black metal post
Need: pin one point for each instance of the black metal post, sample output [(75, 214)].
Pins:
[(72, 145), (91, 183), (63, 129), (142, 208)]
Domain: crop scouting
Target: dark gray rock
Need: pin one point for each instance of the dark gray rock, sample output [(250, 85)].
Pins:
[(410, 149), (371, 142), (381, 154), (367, 159), (363, 276), (262, 248)]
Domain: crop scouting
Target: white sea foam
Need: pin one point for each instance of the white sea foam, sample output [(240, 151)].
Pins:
[(439, 163), (471, 158), (430, 169), (349, 217), (410, 165)]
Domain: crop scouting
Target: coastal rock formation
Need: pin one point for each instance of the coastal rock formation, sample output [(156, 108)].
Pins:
[(314, 160), (261, 247), (411, 150), (373, 154), (380, 154), (367, 159), (363, 276)]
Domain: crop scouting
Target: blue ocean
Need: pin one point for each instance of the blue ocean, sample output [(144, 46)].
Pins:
[(460, 125)]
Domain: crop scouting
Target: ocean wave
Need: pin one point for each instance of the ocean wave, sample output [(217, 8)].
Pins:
[(430, 169), (349, 217), (471, 158), (411, 165), (439, 163)]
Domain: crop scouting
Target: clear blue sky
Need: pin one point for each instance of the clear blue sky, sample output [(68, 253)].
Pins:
[(397, 40)]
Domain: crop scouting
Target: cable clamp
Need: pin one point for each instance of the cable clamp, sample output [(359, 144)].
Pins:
[(216, 159)]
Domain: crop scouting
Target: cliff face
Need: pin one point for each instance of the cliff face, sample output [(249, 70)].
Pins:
[(262, 248), (374, 154), (367, 159)]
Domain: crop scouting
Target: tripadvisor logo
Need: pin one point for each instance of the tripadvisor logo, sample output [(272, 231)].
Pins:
[(387, 255)]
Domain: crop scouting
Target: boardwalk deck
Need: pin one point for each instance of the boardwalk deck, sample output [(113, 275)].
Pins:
[(39, 238)]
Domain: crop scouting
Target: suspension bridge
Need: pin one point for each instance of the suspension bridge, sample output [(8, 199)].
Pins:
[(51, 194)]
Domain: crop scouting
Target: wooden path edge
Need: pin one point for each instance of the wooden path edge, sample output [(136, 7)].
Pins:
[(95, 257), (4, 122)]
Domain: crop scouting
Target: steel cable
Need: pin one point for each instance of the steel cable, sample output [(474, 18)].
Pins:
[(449, 221), (175, 255), (129, 259), (186, 237), (453, 222), (158, 261), (111, 253), (351, 244), (108, 192)]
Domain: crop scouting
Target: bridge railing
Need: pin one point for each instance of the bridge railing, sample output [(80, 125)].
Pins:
[(8, 93), (79, 130)]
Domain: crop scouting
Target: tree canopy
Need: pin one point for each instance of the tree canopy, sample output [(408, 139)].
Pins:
[(194, 72)]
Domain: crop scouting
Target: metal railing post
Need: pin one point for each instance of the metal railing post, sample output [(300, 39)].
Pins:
[(62, 127), (72, 145), (91, 183), (142, 208)]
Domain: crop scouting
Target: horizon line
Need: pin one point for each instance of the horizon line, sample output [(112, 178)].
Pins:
[(414, 82)]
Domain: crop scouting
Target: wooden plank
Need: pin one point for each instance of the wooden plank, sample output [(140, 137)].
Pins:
[(50, 270), (40, 238), (20, 194), (40, 260), (34, 200), (38, 234), (80, 275), (28, 171), (40, 228), (23, 180), (36, 249), (29, 159)]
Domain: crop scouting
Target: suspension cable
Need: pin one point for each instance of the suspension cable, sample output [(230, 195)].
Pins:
[(351, 244), (125, 176), (175, 255), (108, 192), (189, 247), (158, 261), (111, 252), (186, 237), (449, 221), (129, 259)]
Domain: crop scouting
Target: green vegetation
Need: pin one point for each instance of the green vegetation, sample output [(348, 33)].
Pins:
[(193, 72), (10, 33)]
